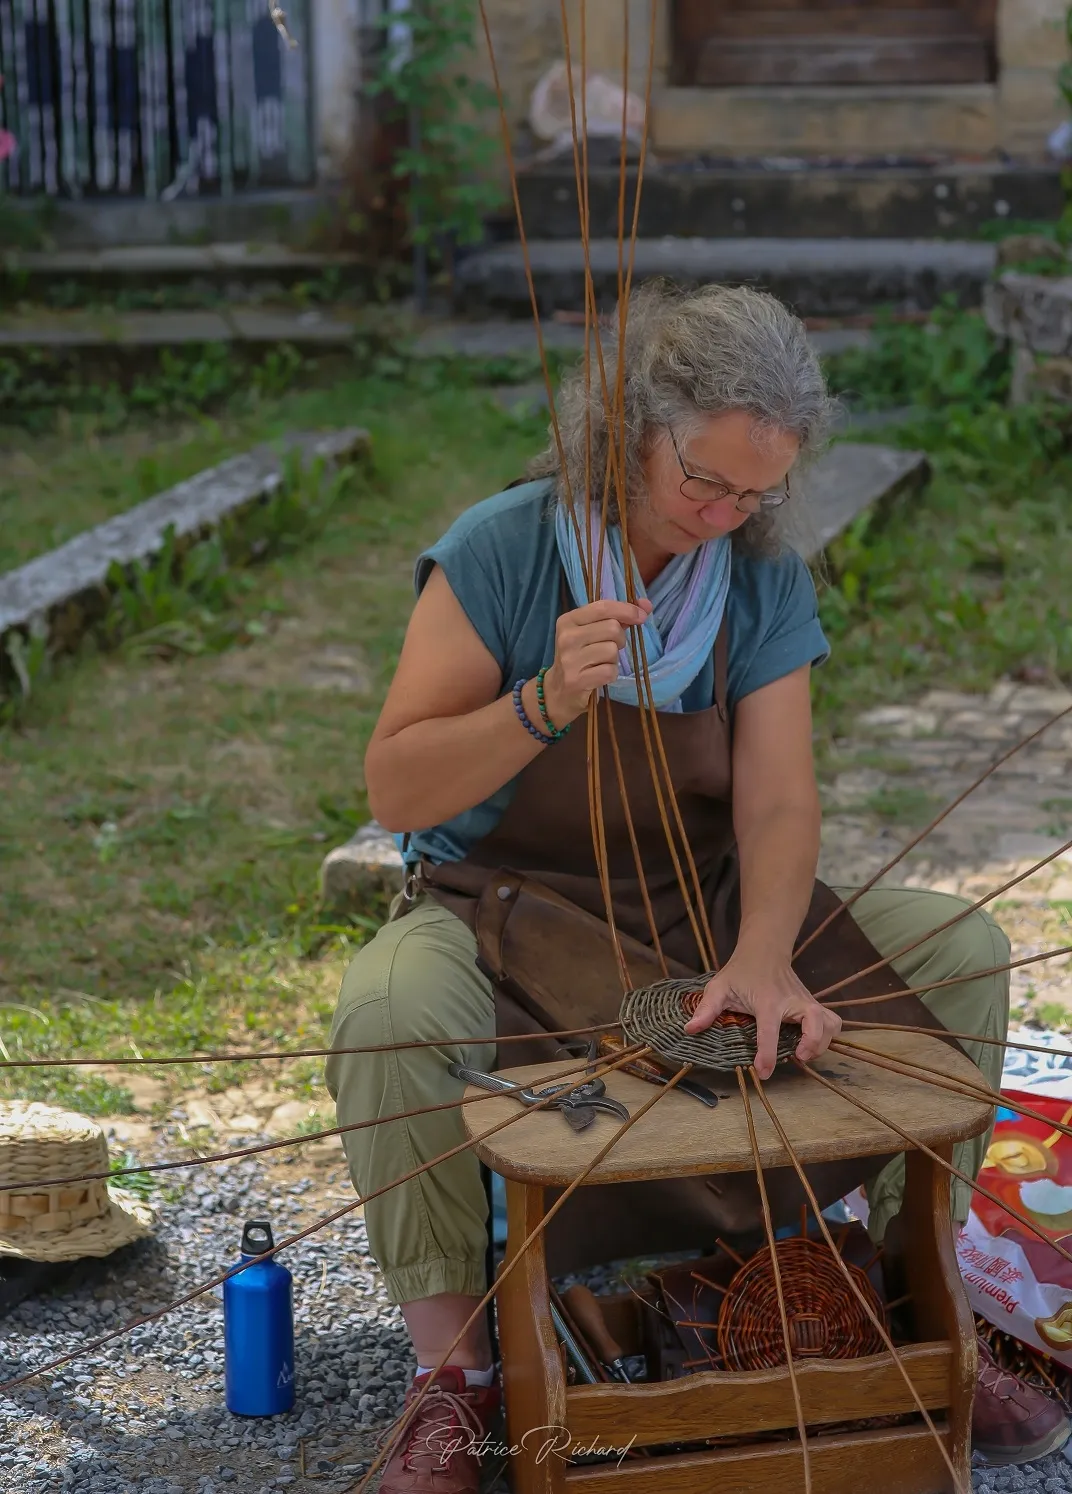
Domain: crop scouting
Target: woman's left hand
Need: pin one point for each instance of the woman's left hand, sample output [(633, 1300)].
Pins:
[(766, 988)]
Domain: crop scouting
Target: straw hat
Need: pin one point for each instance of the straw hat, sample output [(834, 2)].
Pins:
[(64, 1223)]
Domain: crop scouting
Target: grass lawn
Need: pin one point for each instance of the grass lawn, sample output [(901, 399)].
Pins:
[(162, 821)]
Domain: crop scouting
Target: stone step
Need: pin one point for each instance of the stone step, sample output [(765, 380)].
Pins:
[(849, 478), (782, 199), (74, 331), (125, 266), (766, 62), (66, 588), (290, 215), (817, 277), (81, 330)]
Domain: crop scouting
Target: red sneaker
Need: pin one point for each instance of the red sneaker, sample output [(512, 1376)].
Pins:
[(1012, 1422), (441, 1449)]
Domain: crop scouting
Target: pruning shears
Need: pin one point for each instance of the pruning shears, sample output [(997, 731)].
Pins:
[(578, 1105)]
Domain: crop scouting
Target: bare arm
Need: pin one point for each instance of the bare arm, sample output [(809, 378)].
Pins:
[(776, 817), (776, 813), (446, 738)]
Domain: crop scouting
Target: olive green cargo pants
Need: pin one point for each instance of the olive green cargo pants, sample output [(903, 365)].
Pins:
[(416, 978)]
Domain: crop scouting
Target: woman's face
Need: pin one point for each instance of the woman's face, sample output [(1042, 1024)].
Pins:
[(732, 449)]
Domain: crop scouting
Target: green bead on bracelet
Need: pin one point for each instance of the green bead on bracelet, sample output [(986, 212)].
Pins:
[(552, 729)]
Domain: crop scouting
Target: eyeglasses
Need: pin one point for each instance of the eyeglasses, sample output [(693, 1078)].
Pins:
[(710, 490)]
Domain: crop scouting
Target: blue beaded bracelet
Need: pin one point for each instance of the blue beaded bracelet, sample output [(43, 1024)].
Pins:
[(522, 716)]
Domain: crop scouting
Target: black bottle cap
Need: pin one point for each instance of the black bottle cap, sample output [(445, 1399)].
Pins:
[(257, 1237)]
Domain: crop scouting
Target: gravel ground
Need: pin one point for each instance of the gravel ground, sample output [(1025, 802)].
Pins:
[(146, 1412)]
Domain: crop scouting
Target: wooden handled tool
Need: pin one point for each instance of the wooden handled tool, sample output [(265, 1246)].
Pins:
[(588, 1315), (611, 1044)]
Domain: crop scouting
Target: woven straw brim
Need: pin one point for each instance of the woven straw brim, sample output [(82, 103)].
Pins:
[(128, 1219), (55, 1221)]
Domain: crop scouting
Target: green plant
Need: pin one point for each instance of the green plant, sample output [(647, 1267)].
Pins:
[(953, 359), (905, 806), (28, 658), (37, 384), (141, 1184), (184, 600), (447, 167)]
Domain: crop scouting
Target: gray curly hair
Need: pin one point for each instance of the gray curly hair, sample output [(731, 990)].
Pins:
[(689, 355)]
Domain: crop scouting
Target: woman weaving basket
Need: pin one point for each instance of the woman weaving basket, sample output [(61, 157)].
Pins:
[(480, 755)]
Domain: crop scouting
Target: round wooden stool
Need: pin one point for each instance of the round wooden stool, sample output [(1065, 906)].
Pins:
[(679, 1138)]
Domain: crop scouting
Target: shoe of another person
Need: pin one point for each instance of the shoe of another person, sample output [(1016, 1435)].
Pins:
[(1012, 1422), (441, 1449)]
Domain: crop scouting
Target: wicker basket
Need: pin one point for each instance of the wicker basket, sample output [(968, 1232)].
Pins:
[(826, 1319), (657, 1015)]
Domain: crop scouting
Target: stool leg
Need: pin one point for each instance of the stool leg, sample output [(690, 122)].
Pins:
[(939, 1301), (534, 1383)]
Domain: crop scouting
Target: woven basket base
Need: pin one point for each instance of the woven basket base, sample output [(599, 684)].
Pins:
[(657, 1014)]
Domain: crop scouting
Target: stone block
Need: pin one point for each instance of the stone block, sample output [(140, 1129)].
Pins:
[(368, 865), (1021, 248), (1023, 846), (1034, 311), (827, 120), (848, 478), (1029, 108), (1051, 378), (900, 721), (67, 587), (1031, 34), (1040, 698), (816, 277)]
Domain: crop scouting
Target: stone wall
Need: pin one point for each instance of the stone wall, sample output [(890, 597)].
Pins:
[(1031, 47), (1014, 115)]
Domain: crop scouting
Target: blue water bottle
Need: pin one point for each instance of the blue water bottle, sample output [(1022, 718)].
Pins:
[(258, 1330)]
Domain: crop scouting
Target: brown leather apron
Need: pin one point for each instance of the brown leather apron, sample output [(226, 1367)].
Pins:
[(531, 892)]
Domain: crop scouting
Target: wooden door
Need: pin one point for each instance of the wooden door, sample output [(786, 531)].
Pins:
[(728, 43)]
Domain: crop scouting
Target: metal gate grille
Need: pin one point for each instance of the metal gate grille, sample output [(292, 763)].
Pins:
[(153, 97)]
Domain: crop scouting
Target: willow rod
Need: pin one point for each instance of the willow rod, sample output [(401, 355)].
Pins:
[(303, 1234), (967, 1037), (123, 1061), (614, 418), (928, 829), (526, 257), (952, 980), (776, 1269), (911, 1069), (913, 1141), (287, 1141), (508, 1267), (949, 923), (853, 1284)]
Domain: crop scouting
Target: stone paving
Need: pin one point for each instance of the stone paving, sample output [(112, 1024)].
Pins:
[(905, 763)]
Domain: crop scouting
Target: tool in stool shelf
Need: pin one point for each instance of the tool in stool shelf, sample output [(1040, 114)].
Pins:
[(586, 1312), (723, 1428), (580, 1352), (579, 1105)]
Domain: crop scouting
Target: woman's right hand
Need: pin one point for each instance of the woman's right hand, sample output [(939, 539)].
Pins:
[(587, 643)]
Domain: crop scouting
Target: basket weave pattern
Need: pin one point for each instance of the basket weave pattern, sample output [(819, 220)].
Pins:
[(52, 1208), (826, 1320), (657, 1015), (61, 1221)]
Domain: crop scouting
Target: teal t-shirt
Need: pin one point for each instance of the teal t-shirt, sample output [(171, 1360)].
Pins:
[(501, 560)]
